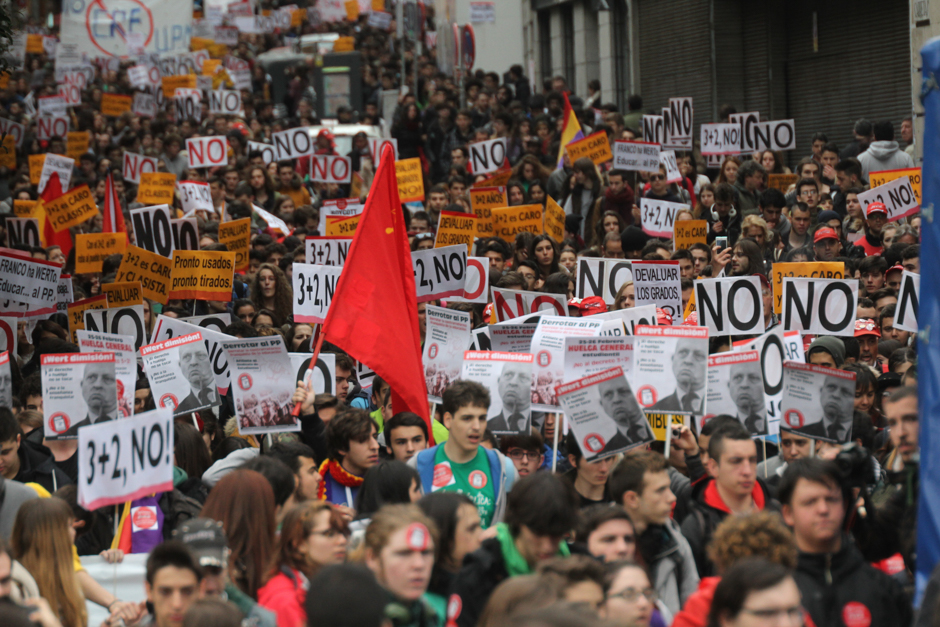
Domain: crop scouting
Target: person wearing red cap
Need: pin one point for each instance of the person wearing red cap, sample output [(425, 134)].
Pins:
[(893, 278), (592, 305), (826, 244), (876, 216), (867, 334)]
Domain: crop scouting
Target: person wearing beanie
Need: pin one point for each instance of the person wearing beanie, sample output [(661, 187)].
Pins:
[(633, 239), (826, 350)]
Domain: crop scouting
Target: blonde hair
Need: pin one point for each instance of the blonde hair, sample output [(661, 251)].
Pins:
[(755, 220), (390, 519), (40, 542), (623, 288)]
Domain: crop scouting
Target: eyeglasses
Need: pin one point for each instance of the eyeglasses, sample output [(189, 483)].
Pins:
[(794, 614), (657, 177), (632, 594), (809, 192), (519, 454)]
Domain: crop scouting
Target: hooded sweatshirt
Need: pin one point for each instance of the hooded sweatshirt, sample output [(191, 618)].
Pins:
[(884, 155)]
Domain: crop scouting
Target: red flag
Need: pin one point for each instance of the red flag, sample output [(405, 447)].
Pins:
[(374, 312), (113, 215), (62, 239)]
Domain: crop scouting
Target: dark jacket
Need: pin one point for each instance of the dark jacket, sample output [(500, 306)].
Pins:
[(732, 223), (38, 466), (482, 571), (834, 585), (706, 512)]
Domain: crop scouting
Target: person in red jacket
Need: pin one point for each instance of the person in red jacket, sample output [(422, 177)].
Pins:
[(313, 535)]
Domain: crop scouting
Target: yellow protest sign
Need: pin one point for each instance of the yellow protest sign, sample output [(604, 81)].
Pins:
[(456, 228), (781, 182), (554, 220), (410, 179), (115, 105), (156, 188), (5, 80), (211, 66), (217, 51), (91, 249), (499, 178), (355, 188), (510, 221), (378, 5), (298, 18), (352, 10), (236, 235), (808, 269), (71, 208), (342, 226), (885, 176), (150, 269), (8, 153), (202, 274), (595, 147), (172, 83), (28, 208), (123, 294), (35, 168), (483, 200), (76, 313), (344, 44), (688, 232), (76, 144), (199, 43), (34, 44), (660, 421)]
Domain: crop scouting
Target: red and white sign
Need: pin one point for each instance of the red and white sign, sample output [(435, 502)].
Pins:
[(48, 127), (207, 152), (330, 169), (135, 164)]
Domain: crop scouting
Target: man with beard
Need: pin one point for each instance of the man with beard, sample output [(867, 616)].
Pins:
[(688, 366), (194, 362), (746, 387), (99, 389), (619, 403), (514, 386)]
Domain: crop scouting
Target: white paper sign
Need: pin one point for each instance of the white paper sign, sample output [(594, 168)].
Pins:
[(818, 402), (125, 363), (897, 195), (820, 306), (330, 169), (477, 286), (172, 328), (78, 390), (590, 355), (548, 346), (293, 143), (602, 277), (225, 101), (180, 374), (508, 376), (440, 272), (328, 251), (135, 164), (487, 156), (446, 340), (658, 217), (636, 156), (53, 106), (905, 316), (668, 159), (736, 388), (195, 196), (263, 384), (28, 280), (774, 347), (658, 283), (511, 304), (314, 286), (125, 321), (60, 165), (720, 139), (268, 154), (669, 368), (207, 152), (730, 305)]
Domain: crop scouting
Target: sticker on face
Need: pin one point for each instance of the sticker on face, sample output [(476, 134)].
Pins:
[(417, 536)]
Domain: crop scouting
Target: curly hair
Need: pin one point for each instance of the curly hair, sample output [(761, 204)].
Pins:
[(283, 294), (761, 534)]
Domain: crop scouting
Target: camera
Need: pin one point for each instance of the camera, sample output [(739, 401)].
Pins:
[(855, 466)]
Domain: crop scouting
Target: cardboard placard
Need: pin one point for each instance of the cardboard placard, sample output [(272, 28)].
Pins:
[(76, 313), (113, 105), (123, 294), (688, 232), (77, 143), (510, 221), (877, 179), (156, 188), (483, 200), (172, 83), (456, 228), (91, 249), (553, 222), (153, 271), (342, 227), (781, 182), (236, 235), (595, 147), (410, 180), (202, 275), (71, 208)]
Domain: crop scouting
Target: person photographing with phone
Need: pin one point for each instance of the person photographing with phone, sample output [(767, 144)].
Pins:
[(724, 220)]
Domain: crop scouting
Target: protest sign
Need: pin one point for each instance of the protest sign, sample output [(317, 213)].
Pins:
[(513, 337), (603, 414), (273, 222), (145, 105), (510, 374), (483, 200), (514, 303), (480, 339), (774, 347), (455, 228), (293, 143), (76, 313), (143, 76), (477, 286), (877, 179), (28, 280), (595, 147), (499, 178), (152, 270), (53, 106), (688, 232), (185, 234), (548, 346), (338, 208), (71, 208), (167, 328), (781, 182), (377, 145), (106, 477), (48, 127), (36, 163), (64, 295), (816, 270), (8, 336), (677, 120), (730, 305), (152, 229), (410, 180), (123, 294), (91, 249), (553, 220), (211, 322), (207, 152), (331, 169), (97, 29), (631, 317), (327, 251), (76, 144), (134, 165), (236, 235), (720, 139), (314, 286), (661, 422), (60, 165), (342, 227), (225, 102), (658, 283), (78, 390), (820, 306), (195, 196), (447, 337), (818, 402), (667, 158), (13, 129), (264, 384), (202, 275), (602, 277), (127, 321), (114, 105), (28, 209), (669, 368), (23, 231), (268, 154), (439, 272), (736, 388), (156, 188), (747, 122), (654, 132), (658, 217), (897, 195), (905, 315), (322, 375), (8, 153), (636, 156), (590, 355), (125, 363), (180, 374), (510, 221), (487, 156)]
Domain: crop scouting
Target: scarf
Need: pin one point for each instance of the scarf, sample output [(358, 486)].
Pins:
[(338, 473), (515, 563)]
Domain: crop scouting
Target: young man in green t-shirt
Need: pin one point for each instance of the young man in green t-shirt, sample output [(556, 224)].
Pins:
[(461, 464)]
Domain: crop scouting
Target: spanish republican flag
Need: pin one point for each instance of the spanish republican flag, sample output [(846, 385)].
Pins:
[(570, 132), (374, 312)]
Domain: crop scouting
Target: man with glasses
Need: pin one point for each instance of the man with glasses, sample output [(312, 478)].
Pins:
[(807, 191), (525, 450), (659, 187)]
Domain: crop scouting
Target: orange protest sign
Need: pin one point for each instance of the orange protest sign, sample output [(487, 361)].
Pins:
[(378, 5), (236, 235), (34, 44), (124, 294), (199, 43), (217, 51), (76, 312), (810, 269), (27, 208), (885, 176), (71, 208), (8, 152), (688, 232), (114, 105), (499, 178), (456, 228), (5, 80), (510, 221), (150, 269), (352, 10), (483, 200), (211, 66), (172, 83), (156, 188), (35, 167), (554, 220), (344, 44), (595, 147), (91, 249), (410, 180), (298, 18), (76, 144), (202, 274), (781, 182), (342, 226)]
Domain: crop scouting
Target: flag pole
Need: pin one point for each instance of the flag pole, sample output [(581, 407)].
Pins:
[(313, 364)]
